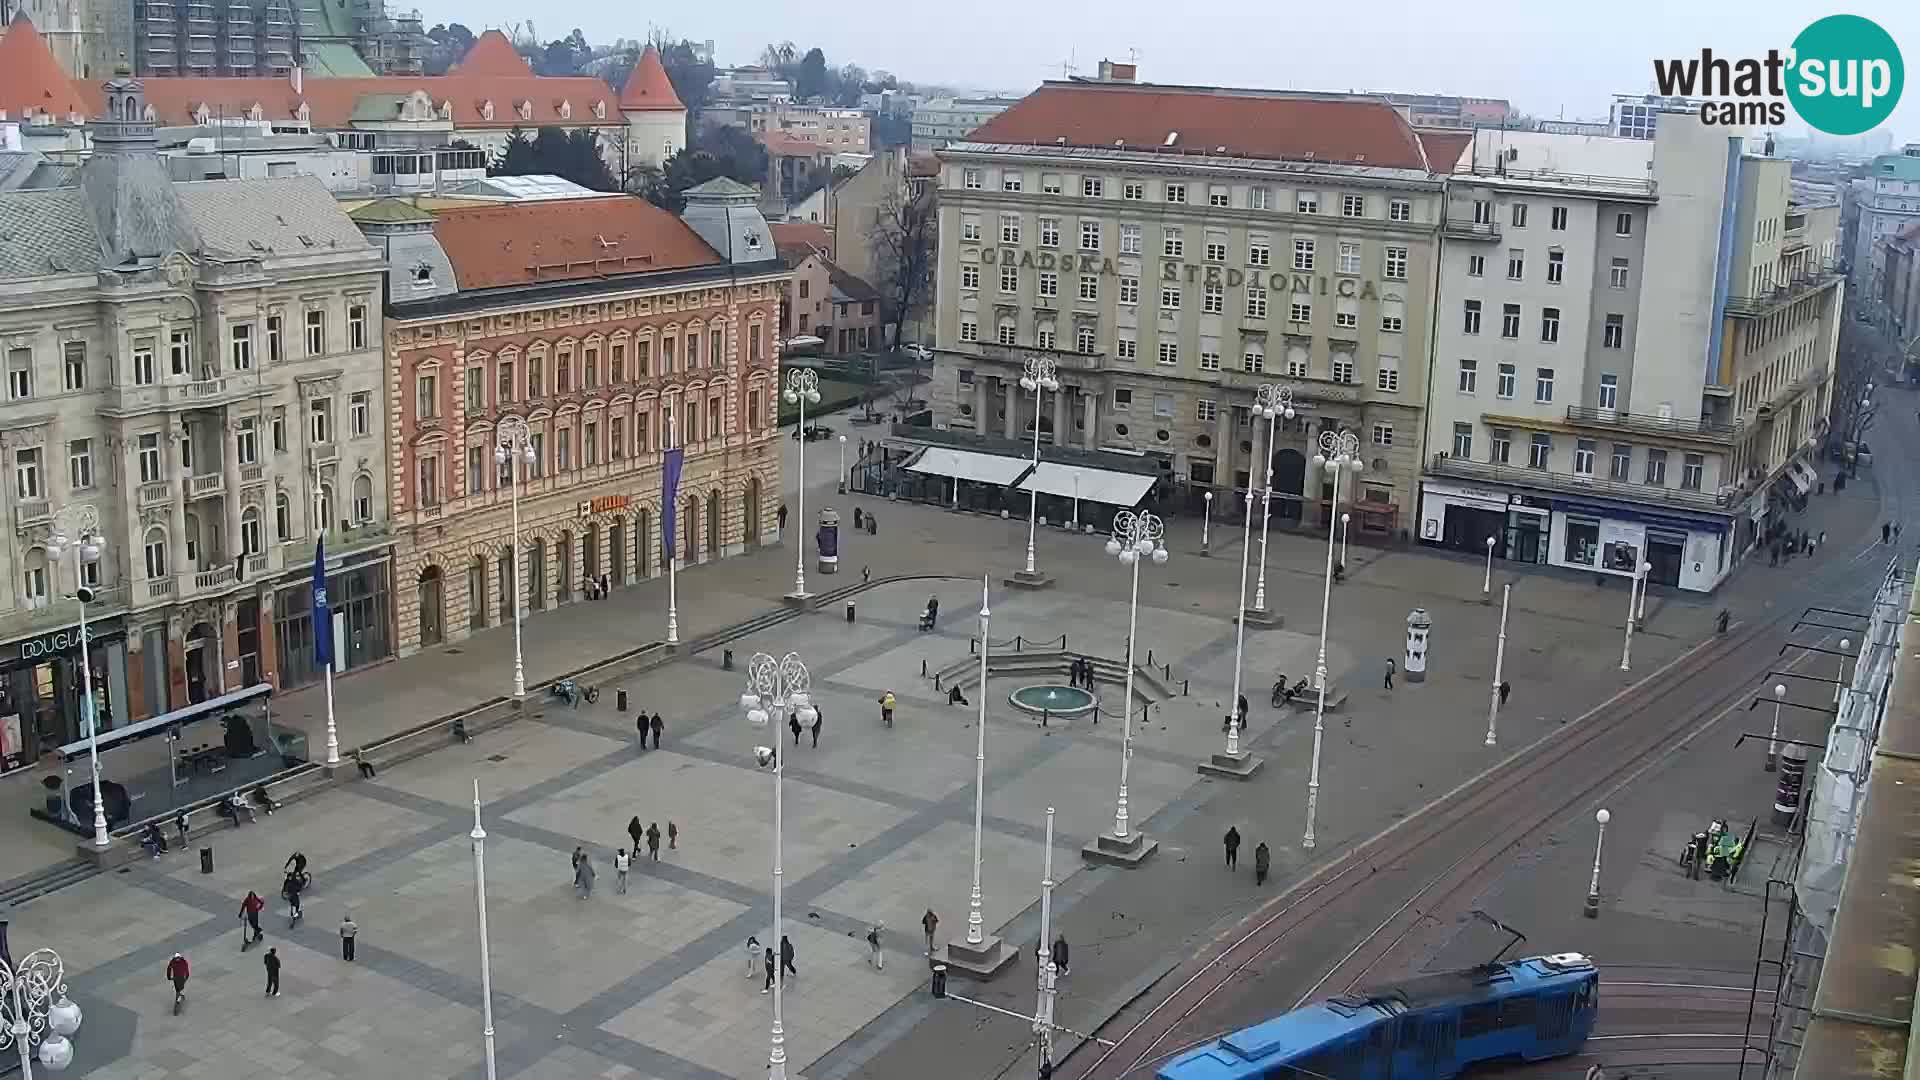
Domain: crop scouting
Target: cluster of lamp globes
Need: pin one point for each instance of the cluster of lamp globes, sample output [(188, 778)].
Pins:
[(502, 455), (1044, 381), (1128, 552), (89, 547), (56, 1050), (759, 717)]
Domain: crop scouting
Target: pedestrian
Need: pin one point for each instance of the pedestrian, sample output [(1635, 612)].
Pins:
[(1823, 534), (1241, 707), (873, 948), (782, 516), (1060, 954), (250, 909), (348, 931), (1896, 533), (931, 924), (768, 987), (1774, 559), (579, 853), (673, 836), (634, 830), (659, 726), (866, 574), (653, 840), (640, 725), (583, 877), (272, 962), (365, 766), (933, 610), (1261, 858), (793, 724), (1505, 689), (786, 957), (621, 864), (816, 727), (1812, 547), (1886, 532), (858, 524), (1390, 668), (873, 525), (886, 708), (606, 585), (753, 954), (1232, 841)]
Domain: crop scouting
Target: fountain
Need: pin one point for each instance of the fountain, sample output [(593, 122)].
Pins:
[(1053, 699)]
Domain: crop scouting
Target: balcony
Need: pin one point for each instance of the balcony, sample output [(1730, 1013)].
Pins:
[(1803, 285), (1500, 174), (205, 485), (1650, 424), (258, 565), (218, 577), (155, 495), (1016, 355), (201, 393), (252, 474), (157, 590), (34, 512), (1678, 498), (325, 453), (341, 542), (1465, 228), (64, 611)]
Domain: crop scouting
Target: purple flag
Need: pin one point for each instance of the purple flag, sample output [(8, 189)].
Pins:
[(670, 499)]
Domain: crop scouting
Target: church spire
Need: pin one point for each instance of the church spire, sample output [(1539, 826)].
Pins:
[(124, 127)]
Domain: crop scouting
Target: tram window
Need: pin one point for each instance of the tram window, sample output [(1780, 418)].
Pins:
[(1517, 1012), (1409, 1032), (1476, 1020), (1381, 1037)]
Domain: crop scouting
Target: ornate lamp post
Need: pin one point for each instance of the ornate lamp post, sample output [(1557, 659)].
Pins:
[(1136, 534), (1773, 738), (803, 389), (843, 465), (1340, 453), (1626, 649), (980, 955), (1206, 522), (35, 1010), (1275, 403), (773, 688), (1233, 763), (479, 837), (1038, 378), (1486, 583), (1600, 818), (515, 451), (1499, 662), (76, 528)]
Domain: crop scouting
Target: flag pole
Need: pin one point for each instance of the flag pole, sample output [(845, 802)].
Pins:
[(323, 615), (673, 553)]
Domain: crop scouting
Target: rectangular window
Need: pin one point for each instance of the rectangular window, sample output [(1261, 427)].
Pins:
[(279, 428), (1163, 404), (1693, 470), (1300, 312), (1130, 240), (1049, 232), (1256, 302), (1133, 190), (73, 363), (1303, 253), (1396, 264), (320, 421), (429, 481), (1344, 319), (1391, 324), (1298, 369), (1500, 446), (1383, 434), (1623, 224), (1010, 181), (1617, 274), (1387, 374), (1505, 380), (356, 326), (476, 470), (1259, 252), (1622, 468), (1085, 340), (1543, 384), (1471, 317), (969, 275), (1469, 376), (1510, 320), (1093, 187), (1583, 457), (1306, 202), (1009, 279), (1476, 266), (1176, 193), (19, 374), (1206, 412), (80, 464), (180, 351), (1557, 219), (1125, 347), (1129, 290), (316, 332), (1614, 332), (1353, 206), (536, 377), (1657, 468), (475, 389), (1399, 210), (1540, 451), (1219, 196), (1089, 287), (1519, 215), (144, 373), (1007, 335), (1089, 236), (1550, 324), (1173, 245), (1342, 368), (1217, 251), (1213, 298), (590, 441), (1609, 391), (1253, 361), (1170, 297), (275, 325), (426, 393), (1516, 264), (1482, 212), (617, 364), (1259, 198), (1169, 352), (1349, 258), (1122, 399), (969, 229), (149, 459), (973, 179), (26, 473), (969, 330), (1556, 266), (1463, 441), (1050, 184), (617, 429), (1009, 228), (1043, 336), (1049, 284)]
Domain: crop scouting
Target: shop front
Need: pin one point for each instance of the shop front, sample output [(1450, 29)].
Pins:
[(360, 606), (1688, 553), (42, 686), (1461, 518)]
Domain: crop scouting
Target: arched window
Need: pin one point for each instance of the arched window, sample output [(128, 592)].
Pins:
[(283, 516), (192, 529), (34, 578), (362, 499), (250, 539), (156, 551)]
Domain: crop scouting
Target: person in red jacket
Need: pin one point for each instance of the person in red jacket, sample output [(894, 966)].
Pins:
[(177, 974), (250, 909)]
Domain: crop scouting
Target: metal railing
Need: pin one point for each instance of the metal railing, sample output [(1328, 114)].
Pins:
[(1468, 229), (1651, 423), (1802, 285), (1683, 498), (1624, 185)]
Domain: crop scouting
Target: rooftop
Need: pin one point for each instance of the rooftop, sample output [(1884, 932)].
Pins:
[(31, 81), (573, 239), (648, 89)]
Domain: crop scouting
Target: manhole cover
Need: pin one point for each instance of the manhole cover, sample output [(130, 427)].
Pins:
[(496, 757)]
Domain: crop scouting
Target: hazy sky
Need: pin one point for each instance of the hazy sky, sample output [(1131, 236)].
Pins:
[(1545, 57)]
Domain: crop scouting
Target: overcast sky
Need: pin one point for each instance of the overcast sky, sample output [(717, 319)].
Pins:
[(1544, 57)]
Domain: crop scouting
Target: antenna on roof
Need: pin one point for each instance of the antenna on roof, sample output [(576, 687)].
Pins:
[(1067, 68)]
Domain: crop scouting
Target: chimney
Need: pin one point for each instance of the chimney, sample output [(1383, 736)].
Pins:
[(1112, 72)]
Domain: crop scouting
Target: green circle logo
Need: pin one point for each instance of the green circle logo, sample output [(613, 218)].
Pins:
[(1846, 75)]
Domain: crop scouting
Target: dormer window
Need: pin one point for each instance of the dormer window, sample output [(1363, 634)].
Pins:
[(422, 275), (486, 110), (303, 114), (525, 109), (151, 114), (446, 110), (566, 110), (599, 110), (256, 114), (201, 115), (753, 241)]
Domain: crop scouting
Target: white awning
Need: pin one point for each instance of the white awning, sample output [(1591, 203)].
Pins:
[(967, 465), (1089, 485)]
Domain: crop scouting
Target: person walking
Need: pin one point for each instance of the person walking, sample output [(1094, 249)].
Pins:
[(931, 924), (1390, 669), (583, 877), (1232, 840), (1505, 689), (786, 957), (348, 931), (177, 974), (659, 726), (886, 708), (933, 610), (1261, 858), (1059, 954), (873, 947), (579, 853), (793, 725), (639, 834), (272, 962), (753, 954), (768, 987), (640, 725), (1823, 534), (782, 516), (816, 727), (673, 836), (1886, 532), (653, 840), (250, 909), (621, 864)]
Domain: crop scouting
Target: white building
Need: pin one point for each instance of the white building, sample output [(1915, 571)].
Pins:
[(1633, 348), (1889, 204), (940, 121)]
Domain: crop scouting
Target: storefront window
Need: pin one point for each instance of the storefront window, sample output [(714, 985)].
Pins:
[(358, 603), (42, 689), (1583, 541), (1621, 556)]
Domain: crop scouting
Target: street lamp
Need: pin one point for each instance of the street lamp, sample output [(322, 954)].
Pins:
[(1340, 454), (976, 929), (514, 450), (782, 685), (1043, 958), (1486, 583), (803, 389), (479, 836), (1593, 887), (1773, 739), (1840, 682), (843, 464), (1135, 533), (34, 1008), (1275, 403), (77, 528), (1206, 522), (1344, 518), (1038, 378), (1626, 650), (1499, 662)]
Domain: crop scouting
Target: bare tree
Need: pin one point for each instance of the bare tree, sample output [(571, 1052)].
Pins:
[(902, 240)]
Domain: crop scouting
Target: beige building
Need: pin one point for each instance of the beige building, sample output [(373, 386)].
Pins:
[(1174, 248)]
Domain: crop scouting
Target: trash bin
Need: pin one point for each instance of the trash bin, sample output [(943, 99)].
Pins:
[(620, 700), (849, 611), (206, 860)]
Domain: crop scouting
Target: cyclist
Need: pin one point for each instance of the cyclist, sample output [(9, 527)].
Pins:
[(291, 892), (177, 975), (296, 864)]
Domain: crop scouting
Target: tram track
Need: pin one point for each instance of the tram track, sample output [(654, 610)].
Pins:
[(1407, 872)]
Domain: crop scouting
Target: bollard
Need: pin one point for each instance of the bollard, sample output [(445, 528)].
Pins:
[(726, 660), (206, 860), (923, 667), (1150, 662), (620, 700), (936, 679), (1183, 688), (849, 611)]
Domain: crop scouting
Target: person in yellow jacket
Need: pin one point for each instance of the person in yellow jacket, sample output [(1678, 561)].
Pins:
[(886, 708)]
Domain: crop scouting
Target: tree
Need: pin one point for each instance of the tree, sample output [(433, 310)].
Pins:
[(812, 79), (448, 43), (779, 57), (902, 242), (570, 155), (720, 151)]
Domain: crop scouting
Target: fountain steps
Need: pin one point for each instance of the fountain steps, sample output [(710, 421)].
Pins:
[(1148, 684)]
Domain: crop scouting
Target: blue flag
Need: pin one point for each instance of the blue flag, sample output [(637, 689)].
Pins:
[(322, 618), (670, 496)]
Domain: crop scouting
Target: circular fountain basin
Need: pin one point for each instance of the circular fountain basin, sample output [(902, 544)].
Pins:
[(1054, 699)]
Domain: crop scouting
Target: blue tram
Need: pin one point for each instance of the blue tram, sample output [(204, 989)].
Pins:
[(1427, 1028)]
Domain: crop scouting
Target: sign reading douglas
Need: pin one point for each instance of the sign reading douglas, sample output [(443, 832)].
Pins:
[(1843, 75)]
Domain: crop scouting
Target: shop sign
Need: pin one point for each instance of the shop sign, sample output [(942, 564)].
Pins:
[(1488, 498), (53, 643), (1175, 270), (604, 503)]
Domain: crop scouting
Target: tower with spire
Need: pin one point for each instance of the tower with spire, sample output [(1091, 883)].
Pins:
[(656, 118)]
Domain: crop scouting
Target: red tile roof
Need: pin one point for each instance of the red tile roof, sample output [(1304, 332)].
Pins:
[(780, 144), (1444, 148), (30, 78), (648, 89), (332, 102), (807, 234), (565, 240), (1248, 123), (492, 54)]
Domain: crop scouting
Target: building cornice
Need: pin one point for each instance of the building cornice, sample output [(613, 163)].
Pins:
[(539, 297), (1188, 164)]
